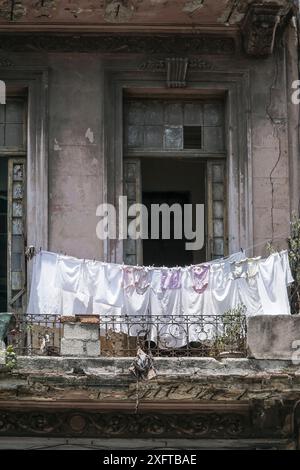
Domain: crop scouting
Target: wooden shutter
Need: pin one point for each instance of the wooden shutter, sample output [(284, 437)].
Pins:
[(133, 254), (16, 230), (216, 210)]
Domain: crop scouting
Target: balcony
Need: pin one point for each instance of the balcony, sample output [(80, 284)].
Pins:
[(120, 336)]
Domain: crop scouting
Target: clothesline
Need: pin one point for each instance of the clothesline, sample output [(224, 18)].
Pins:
[(242, 250)]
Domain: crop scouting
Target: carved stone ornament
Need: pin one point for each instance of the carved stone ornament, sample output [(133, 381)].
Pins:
[(176, 68), (181, 45), (122, 425), (259, 29)]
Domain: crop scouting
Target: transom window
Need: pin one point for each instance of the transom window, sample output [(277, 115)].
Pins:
[(171, 125)]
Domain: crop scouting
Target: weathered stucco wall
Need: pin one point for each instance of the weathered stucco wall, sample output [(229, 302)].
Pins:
[(75, 153)]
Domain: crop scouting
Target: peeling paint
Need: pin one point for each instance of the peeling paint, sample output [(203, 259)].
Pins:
[(192, 5), (89, 135), (118, 11), (57, 147)]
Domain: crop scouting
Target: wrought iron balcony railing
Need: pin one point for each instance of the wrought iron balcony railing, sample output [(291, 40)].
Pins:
[(198, 335)]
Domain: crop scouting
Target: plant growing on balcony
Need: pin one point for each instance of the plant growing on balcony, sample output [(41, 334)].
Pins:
[(10, 358), (294, 258), (233, 335)]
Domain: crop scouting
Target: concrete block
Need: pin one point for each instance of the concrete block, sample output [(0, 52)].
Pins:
[(2, 352), (92, 348), (81, 331), (274, 337), (72, 347)]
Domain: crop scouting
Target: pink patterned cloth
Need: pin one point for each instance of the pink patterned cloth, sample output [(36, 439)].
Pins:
[(200, 275), (137, 278), (171, 279)]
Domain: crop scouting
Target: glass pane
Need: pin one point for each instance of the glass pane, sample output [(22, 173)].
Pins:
[(130, 190), (16, 261), (18, 172), (218, 246), (14, 111), (154, 113), (16, 280), (153, 136), (17, 191), (130, 260), (14, 135), (2, 143), (130, 246), (193, 114), (213, 139), (2, 112), (218, 192), (213, 114), (218, 209), (218, 173), (17, 244), (17, 226), (173, 114), (173, 137), (218, 228), (135, 136), (130, 171), (17, 209), (135, 114)]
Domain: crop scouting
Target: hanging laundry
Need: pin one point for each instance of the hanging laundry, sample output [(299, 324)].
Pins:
[(284, 255), (200, 275), (252, 267), (238, 269), (68, 273), (45, 297), (170, 278), (271, 282), (166, 304), (137, 278), (161, 298)]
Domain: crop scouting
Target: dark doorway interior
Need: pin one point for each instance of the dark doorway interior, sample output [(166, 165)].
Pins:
[(165, 252), (170, 180)]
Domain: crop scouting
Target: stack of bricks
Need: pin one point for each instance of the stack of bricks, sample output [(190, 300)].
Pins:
[(81, 336)]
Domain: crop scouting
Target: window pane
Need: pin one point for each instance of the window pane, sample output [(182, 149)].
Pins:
[(213, 114), (154, 113), (153, 136), (14, 135), (14, 111), (173, 114), (193, 114), (173, 137), (135, 137)]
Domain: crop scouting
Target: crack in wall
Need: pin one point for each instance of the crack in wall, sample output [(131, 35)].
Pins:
[(277, 124)]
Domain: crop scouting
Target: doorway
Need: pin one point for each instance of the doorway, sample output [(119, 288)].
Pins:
[(172, 181), (174, 152)]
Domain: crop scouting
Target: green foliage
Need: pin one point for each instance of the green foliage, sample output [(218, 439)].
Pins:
[(294, 258), (10, 358), (233, 335)]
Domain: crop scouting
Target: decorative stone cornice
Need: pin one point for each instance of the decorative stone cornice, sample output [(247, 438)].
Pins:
[(160, 44), (259, 29)]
